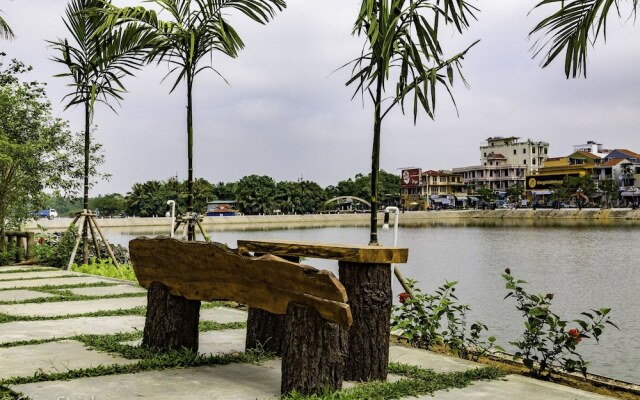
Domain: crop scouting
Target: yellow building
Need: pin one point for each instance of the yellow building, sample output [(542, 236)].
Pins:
[(555, 170)]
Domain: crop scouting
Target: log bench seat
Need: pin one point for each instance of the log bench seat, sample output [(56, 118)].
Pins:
[(180, 274)]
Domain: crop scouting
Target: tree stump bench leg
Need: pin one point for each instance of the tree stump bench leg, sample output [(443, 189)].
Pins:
[(172, 321), (264, 329), (314, 352), (369, 291)]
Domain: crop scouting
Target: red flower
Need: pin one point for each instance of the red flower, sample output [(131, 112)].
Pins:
[(403, 297), (41, 240), (576, 334)]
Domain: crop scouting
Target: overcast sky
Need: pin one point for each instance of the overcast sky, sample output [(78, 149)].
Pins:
[(286, 115)]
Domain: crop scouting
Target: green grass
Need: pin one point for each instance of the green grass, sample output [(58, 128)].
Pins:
[(141, 311), (47, 288), (416, 382), (107, 269), (68, 296), (28, 271), (206, 326), (37, 278)]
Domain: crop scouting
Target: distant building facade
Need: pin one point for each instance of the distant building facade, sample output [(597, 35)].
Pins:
[(421, 190), (504, 162)]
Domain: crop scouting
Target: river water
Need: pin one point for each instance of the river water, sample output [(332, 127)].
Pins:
[(585, 267)]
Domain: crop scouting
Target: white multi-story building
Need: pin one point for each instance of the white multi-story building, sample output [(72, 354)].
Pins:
[(504, 162), (514, 152)]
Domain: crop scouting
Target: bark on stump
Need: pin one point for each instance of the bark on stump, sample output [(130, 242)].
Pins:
[(314, 352), (369, 290), (264, 331), (172, 321)]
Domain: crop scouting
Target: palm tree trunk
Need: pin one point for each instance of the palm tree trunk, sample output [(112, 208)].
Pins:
[(191, 227), (85, 197), (375, 160)]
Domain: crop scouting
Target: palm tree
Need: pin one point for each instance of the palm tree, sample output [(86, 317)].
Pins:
[(197, 29), (576, 25), (97, 61), (5, 29), (400, 37)]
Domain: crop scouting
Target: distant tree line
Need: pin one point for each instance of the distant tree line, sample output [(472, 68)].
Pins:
[(255, 194)]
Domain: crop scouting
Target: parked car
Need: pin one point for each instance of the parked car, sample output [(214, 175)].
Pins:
[(49, 213)]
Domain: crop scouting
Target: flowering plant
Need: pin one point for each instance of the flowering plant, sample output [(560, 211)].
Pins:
[(546, 342), (421, 320)]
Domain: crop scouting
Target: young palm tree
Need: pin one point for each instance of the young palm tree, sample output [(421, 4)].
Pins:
[(402, 43), (97, 61), (576, 25), (197, 29), (5, 29)]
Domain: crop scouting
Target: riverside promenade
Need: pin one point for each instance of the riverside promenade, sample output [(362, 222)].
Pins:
[(411, 218), (66, 335)]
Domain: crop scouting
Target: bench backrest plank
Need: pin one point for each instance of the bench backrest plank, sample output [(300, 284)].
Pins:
[(210, 271), (351, 253)]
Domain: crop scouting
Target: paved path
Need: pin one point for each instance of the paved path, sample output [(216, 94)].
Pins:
[(59, 353)]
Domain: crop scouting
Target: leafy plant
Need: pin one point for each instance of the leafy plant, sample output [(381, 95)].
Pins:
[(195, 31), (8, 254), (421, 319), (54, 249), (402, 45), (106, 268), (547, 342)]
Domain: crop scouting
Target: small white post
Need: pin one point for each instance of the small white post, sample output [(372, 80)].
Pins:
[(172, 203)]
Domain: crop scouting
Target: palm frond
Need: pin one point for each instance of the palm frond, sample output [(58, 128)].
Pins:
[(400, 36), (573, 29), (5, 29)]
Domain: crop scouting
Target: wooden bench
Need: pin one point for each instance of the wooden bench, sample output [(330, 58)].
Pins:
[(365, 272), (180, 274)]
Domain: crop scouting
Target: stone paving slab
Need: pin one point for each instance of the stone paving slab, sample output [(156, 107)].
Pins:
[(31, 283), (59, 356), (39, 274), (22, 295), (223, 315), (515, 387), (108, 290), (221, 342), (216, 342), (228, 382), (72, 307), (430, 360), (62, 328)]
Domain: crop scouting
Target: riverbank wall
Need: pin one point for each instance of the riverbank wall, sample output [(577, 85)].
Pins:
[(526, 217)]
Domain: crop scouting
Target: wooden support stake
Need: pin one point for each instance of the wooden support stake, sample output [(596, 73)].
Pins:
[(75, 246), (204, 233), (95, 238), (106, 243)]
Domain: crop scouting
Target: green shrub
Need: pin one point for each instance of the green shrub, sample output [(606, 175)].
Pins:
[(106, 268), (422, 319), (547, 342)]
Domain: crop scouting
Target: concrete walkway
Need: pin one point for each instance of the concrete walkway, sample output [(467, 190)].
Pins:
[(234, 381)]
